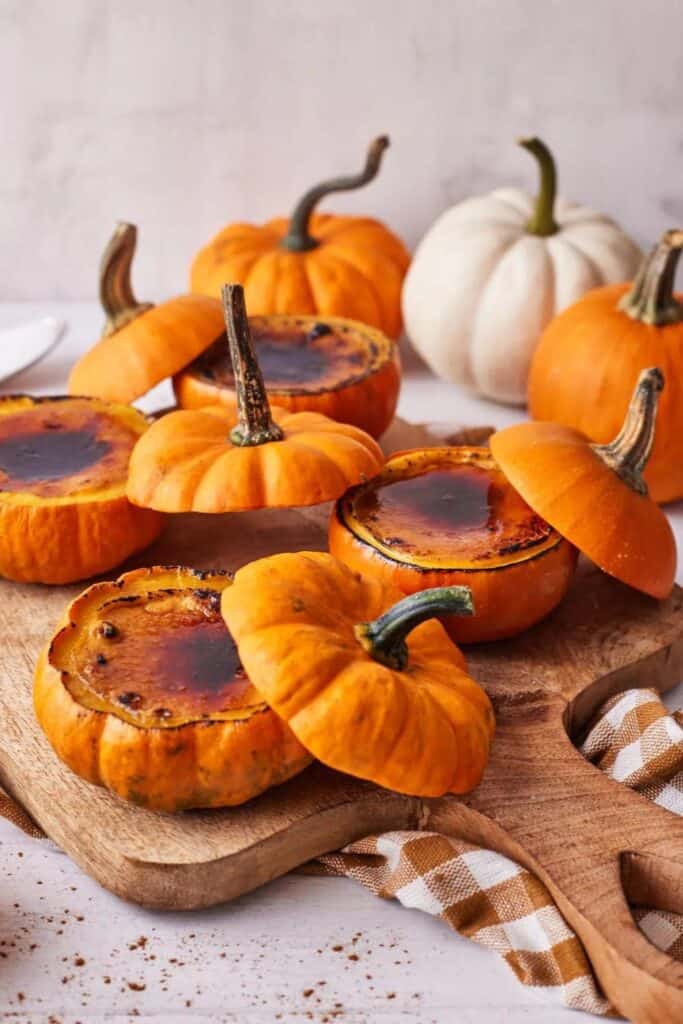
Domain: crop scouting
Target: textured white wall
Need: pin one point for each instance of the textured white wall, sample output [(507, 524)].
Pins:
[(184, 114)]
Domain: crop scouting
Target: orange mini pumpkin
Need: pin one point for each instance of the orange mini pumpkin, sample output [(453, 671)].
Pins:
[(141, 691), (320, 264), (367, 685), (589, 358), (595, 495), (64, 515), (337, 367), (141, 344), (256, 457), (445, 516)]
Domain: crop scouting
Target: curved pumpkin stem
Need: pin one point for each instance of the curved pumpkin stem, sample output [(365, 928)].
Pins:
[(542, 221), (298, 238), (628, 453), (651, 298), (116, 291), (255, 422), (385, 638)]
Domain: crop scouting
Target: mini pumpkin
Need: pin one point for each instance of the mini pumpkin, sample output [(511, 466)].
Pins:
[(595, 495), (493, 270), (64, 515), (367, 685), (338, 367), (589, 358), (256, 457), (448, 516), (141, 344), (141, 691), (319, 264)]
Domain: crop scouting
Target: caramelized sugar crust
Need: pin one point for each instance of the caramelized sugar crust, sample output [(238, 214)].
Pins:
[(297, 357), (157, 658), (58, 447), (446, 508)]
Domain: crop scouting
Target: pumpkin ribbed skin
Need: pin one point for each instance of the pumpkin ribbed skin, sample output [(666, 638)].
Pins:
[(586, 366), (187, 463), (517, 567), (62, 528), (207, 760), (356, 271), (156, 344), (424, 730), (358, 379)]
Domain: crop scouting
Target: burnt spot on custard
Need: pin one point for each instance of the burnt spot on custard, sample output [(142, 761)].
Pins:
[(451, 514), (173, 661), (297, 359), (56, 448)]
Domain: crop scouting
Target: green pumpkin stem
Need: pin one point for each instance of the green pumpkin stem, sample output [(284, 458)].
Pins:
[(542, 221), (651, 297), (116, 291), (255, 423), (298, 237), (628, 453), (385, 638)]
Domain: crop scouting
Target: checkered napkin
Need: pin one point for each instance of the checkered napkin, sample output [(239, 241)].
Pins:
[(491, 899)]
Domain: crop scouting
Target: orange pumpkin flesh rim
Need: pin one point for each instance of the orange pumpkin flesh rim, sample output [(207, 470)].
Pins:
[(219, 460), (141, 344), (448, 515), (366, 678), (141, 691), (335, 366), (595, 495), (64, 515)]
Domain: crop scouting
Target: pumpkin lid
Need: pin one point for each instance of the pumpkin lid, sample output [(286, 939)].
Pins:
[(152, 649), (254, 457), (367, 680), (60, 450), (299, 355), (141, 344), (595, 495), (445, 508)]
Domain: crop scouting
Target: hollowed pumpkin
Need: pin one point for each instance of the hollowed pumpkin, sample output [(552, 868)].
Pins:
[(595, 495), (321, 264), (254, 457), (368, 685), (588, 361), (141, 344), (64, 515), (444, 516), (337, 367), (141, 691)]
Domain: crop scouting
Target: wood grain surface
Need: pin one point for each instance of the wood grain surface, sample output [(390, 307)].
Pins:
[(592, 841)]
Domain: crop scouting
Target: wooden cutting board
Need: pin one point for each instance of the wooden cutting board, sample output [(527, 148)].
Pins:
[(592, 841)]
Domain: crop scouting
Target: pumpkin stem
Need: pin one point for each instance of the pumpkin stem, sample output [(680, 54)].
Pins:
[(385, 638), (628, 453), (116, 292), (542, 221), (298, 238), (255, 422), (651, 297)]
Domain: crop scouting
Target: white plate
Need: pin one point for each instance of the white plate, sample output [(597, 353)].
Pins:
[(27, 344)]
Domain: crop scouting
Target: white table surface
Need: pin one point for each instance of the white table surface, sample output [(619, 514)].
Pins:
[(71, 952)]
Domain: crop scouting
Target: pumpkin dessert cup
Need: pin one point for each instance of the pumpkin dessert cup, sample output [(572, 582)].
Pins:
[(141, 691), (64, 515)]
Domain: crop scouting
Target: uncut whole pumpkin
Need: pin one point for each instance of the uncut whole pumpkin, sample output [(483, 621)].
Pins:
[(369, 682), (493, 270), (589, 359), (314, 263)]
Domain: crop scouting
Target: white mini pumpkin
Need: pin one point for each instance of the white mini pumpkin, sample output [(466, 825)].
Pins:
[(492, 272)]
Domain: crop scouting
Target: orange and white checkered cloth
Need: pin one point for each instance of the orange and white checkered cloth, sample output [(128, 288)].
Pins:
[(491, 899)]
